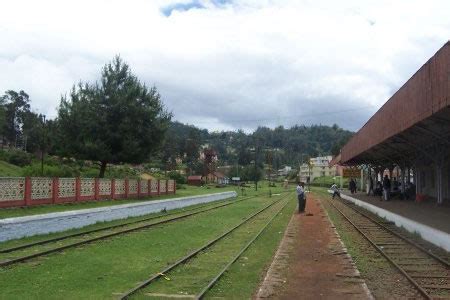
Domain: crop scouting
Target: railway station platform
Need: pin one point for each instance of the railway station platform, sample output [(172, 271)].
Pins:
[(431, 221)]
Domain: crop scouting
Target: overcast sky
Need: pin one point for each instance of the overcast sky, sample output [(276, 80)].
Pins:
[(222, 64)]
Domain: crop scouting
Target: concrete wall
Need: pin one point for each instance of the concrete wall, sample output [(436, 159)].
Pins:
[(13, 228), (435, 236)]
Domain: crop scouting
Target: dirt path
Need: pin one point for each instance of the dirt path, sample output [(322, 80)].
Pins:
[(312, 262)]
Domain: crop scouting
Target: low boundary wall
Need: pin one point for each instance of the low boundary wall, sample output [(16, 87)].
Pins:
[(13, 228), (430, 234), (28, 191)]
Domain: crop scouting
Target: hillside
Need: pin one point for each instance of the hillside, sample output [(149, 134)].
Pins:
[(9, 170), (287, 146)]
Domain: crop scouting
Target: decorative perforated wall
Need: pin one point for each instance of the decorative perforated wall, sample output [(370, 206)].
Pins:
[(144, 187), (12, 189), (171, 186), (162, 186), (154, 186), (41, 188), (87, 187), (119, 187), (66, 187), (132, 186), (104, 187)]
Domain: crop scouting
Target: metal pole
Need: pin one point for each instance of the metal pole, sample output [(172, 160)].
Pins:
[(42, 145)]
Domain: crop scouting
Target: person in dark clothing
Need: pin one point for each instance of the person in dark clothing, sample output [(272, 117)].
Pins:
[(352, 186), (378, 189), (396, 184), (370, 186), (386, 188)]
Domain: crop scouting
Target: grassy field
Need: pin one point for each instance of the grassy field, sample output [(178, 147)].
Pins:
[(105, 269), (9, 170)]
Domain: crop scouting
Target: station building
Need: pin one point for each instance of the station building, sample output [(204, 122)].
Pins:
[(410, 133)]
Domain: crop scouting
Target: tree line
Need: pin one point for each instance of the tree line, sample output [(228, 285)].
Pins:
[(274, 147)]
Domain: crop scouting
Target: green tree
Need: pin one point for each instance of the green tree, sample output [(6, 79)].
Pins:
[(116, 120), (15, 106), (33, 130), (192, 150), (2, 118)]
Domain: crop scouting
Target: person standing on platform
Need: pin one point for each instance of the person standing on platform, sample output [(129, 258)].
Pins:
[(386, 188), (352, 186), (370, 187), (301, 197)]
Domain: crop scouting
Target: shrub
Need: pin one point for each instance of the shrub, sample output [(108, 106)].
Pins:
[(34, 170), (180, 179), (17, 157)]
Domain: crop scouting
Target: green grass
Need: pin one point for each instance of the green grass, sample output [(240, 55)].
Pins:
[(99, 225), (244, 277), (187, 191), (9, 170), (191, 277), (106, 268)]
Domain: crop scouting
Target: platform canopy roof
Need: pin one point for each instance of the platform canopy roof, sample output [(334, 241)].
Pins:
[(413, 124)]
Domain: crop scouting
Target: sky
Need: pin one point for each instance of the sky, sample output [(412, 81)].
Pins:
[(227, 64)]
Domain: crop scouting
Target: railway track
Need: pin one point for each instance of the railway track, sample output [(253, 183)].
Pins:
[(278, 206), (90, 236), (427, 272)]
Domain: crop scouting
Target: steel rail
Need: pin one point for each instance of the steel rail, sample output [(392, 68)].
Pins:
[(43, 242), (216, 279), (145, 283), (409, 241), (399, 268), (61, 248)]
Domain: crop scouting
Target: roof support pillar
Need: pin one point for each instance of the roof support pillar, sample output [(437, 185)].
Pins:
[(439, 190)]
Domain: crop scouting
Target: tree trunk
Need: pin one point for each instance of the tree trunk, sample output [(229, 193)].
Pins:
[(102, 169)]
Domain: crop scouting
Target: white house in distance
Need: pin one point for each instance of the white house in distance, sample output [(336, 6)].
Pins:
[(285, 171), (317, 167)]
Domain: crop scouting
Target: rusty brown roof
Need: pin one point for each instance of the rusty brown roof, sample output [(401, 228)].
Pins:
[(426, 93)]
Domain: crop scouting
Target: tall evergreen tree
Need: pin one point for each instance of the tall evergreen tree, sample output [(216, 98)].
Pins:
[(116, 120)]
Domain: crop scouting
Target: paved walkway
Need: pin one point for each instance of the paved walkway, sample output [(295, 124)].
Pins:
[(427, 213), (311, 262)]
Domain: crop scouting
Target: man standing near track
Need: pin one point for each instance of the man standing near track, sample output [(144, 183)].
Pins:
[(301, 197)]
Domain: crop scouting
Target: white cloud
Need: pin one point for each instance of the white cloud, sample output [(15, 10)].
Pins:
[(237, 65)]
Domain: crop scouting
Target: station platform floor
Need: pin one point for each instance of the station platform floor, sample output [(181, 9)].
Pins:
[(427, 213)]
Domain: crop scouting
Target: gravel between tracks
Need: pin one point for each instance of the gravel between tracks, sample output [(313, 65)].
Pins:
[(384, 281)]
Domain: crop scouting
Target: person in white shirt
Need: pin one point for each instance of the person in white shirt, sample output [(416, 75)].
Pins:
[(335, 190), (301, 197)]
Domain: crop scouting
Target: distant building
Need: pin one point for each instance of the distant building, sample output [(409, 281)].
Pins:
[(216, 177), (195, 180), (285, 171), (317, 167)]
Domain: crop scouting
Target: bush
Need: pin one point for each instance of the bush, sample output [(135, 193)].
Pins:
[(180, 179), (181, 187), (34, 170), (16, 157)]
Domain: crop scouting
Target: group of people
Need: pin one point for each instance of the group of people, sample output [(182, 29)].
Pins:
[(386, 189)]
